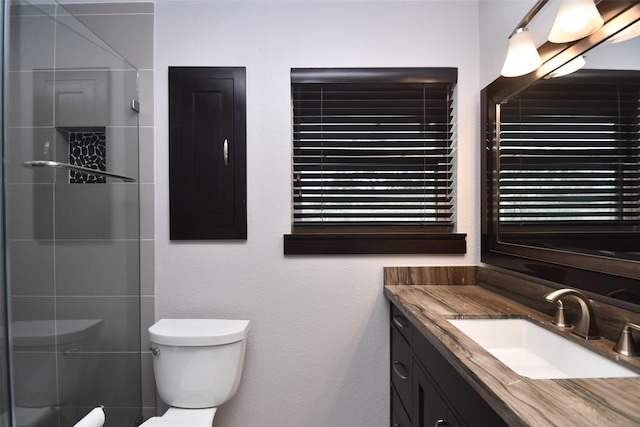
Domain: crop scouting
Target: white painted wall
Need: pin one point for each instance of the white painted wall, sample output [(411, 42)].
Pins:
[(318, 352)]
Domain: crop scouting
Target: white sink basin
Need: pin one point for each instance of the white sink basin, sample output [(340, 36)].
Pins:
[(537, 353)]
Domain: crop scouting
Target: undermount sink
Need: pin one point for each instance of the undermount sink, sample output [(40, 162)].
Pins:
[(537, 353)]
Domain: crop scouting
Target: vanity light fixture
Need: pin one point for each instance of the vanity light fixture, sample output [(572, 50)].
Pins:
[(522, 56), (568, 68), (576, 19), (627, 34)]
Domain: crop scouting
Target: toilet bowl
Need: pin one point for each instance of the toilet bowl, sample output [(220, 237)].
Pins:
[(197, 365)]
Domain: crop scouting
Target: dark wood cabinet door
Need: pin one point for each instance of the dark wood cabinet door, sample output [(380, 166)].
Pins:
[(207, 153), (429, 408)]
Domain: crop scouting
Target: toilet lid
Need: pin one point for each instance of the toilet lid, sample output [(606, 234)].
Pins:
[(198, 332)]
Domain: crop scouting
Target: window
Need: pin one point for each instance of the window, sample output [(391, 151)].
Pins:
[(373, 161), (569, 154)]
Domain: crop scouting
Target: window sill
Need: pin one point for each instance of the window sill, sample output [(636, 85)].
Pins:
[(374, 244)]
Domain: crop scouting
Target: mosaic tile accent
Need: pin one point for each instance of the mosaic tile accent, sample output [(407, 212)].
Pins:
[(89, 150)]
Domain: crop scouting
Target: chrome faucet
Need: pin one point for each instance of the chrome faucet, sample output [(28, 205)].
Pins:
[(586, 325)]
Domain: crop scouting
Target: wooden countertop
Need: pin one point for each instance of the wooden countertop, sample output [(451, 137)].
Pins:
[(518, 400)]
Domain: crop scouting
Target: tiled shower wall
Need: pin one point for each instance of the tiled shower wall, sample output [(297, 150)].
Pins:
[(48, 284), (129, 29)]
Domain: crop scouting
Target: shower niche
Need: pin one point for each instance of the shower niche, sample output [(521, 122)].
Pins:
[(86, 148)]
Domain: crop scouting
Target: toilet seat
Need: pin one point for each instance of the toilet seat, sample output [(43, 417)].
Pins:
[(178, 417)]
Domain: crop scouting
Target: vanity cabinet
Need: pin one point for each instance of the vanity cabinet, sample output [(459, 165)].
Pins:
[(425, 389)]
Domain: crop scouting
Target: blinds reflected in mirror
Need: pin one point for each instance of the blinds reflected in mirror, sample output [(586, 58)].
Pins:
[(570, 151)]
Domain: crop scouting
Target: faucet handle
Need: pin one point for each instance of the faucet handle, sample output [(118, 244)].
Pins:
[(625, 345), (560, 318)]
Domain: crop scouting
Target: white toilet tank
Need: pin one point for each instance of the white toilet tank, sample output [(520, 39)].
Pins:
[(198, 362)]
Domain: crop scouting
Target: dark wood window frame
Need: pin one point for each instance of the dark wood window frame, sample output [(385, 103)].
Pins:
[(379, 236)]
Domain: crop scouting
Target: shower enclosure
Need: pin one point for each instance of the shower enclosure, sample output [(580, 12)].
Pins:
[(70, 307)]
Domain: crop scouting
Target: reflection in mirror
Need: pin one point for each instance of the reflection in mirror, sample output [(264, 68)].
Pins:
[(562, 166), (569, 155)]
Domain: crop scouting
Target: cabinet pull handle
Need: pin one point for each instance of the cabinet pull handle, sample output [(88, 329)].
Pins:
[(400, 321), (440, 423), (225, 152), (398, 373)]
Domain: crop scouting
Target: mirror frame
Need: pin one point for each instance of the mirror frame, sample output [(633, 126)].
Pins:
[(596, 275)]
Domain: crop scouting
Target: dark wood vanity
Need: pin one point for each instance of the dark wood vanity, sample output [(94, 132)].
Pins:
[(426, 390), (439, 376)]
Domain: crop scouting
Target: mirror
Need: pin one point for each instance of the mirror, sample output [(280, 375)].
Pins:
[(561, 164)]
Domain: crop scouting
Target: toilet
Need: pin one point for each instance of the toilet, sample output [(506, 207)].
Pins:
[(197, 365)]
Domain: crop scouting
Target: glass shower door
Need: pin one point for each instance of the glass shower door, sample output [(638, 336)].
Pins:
[(72, 236)]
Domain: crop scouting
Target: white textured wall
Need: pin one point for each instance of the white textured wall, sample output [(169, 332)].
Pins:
[(317, 354)]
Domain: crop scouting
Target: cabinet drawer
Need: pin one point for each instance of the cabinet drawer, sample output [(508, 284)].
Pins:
[(399, 417), (400, 321), (401, 367), (462, 398)]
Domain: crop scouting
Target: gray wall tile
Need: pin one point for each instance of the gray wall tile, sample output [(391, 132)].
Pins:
[(32, 268), (32, 308), (148, 382), (31, 95), (35, 378), (72, 37), (92, 268), (107, 8), (147, 271), (145, 92), (130, 35), (119, 315), (97, 211), (147, 319), (30, 211), (147, 152), (122, 151), (147, 211), (117, 382), (32, 42), (123, 87)]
